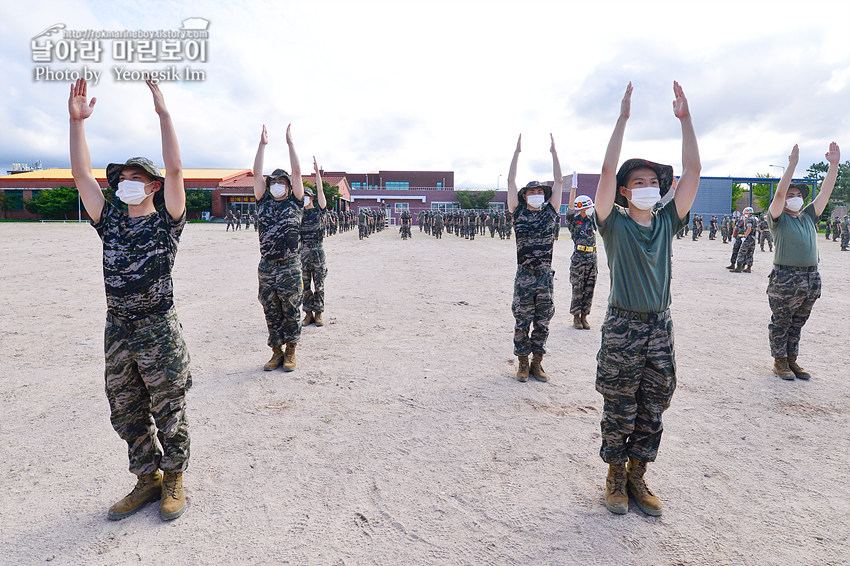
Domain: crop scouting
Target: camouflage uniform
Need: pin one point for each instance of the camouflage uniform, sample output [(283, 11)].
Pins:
[(147, 363), (534, 288), (748, 245), (791, 293), (583, 267), (845, 234), (765, 235), (314, 268), (279, 272)]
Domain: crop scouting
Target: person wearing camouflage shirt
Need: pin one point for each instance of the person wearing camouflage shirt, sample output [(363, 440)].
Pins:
[(764, 233), (146, 361), (794, 284), (534, 209), (280, 207), (583, 267), (636, 364), (314, 267), (745, 242), (845, 233)]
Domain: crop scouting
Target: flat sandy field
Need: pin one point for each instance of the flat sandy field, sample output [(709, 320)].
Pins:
[(403, 436)]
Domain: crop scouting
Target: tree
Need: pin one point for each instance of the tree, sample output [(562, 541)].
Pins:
[(198, 200), (474, 199), (331, 192), (4, 203), (761, 192), (841, 193), (737, 192), (53, 203)]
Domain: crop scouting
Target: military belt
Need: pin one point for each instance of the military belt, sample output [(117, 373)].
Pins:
[(131, 324), (648, 317), (586, 248), (796, 268)]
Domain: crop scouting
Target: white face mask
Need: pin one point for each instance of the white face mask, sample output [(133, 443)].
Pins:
[(588, 210), (794, 204), (132, 192), (535, 201), (277, 190), (306, 201), (645, 198)]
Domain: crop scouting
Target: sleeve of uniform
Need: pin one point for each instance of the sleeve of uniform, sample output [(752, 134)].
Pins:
[(607, 227), (174, 227), (669, 210), (809, 209), (105, 218)]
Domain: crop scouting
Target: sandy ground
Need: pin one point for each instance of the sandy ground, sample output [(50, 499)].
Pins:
[(403, 437)]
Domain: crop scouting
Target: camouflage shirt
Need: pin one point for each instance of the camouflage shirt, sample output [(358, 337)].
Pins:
[(279, 223), (583, 230), (312, 226), (138, 254), (535, 236)]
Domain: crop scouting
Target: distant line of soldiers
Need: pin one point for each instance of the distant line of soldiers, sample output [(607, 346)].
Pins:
[(235, 220), (466, 223), (370, 221), (839, 227)]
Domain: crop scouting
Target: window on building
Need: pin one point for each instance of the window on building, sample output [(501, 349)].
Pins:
[(445, 206), (564, 209), (439, 184), (355, 185), (397, 185), (399, 206), (15, 200)]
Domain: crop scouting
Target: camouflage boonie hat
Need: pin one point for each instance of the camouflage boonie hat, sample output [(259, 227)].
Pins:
[(309, 191), (277, 174), (113, 175), (664, 173), (547, 190)]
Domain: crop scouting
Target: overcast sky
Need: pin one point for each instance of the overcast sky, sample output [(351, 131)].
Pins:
[(449, 85)]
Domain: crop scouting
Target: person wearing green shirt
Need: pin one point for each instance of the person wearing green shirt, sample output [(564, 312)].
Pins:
[(636, 365), (794, 283)]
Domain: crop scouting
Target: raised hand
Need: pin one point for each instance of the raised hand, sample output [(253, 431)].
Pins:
[(626, 104), (315, 165), (680, 105), (794, 157), (552, 147), (834, 153), (519, 144), (264, 136), (78, 106), (288, 134), (158, 99)]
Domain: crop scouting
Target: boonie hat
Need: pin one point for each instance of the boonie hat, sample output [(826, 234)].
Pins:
[(547, 190), (663, 172), (113, 174)]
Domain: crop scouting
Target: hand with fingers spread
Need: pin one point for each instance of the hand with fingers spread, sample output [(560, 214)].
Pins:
[(78, 106), (158, 99), (834, 153)]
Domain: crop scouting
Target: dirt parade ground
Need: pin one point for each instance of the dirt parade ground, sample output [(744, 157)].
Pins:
[(403, 436)]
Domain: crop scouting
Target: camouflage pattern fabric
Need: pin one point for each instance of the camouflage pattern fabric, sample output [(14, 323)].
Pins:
[(138, 254), (765, 236), (745, 253), (279, 224), (736, 247), (311, 230), (636, 375), (535, 236), (314, 269), (582, 230), (792, 294), (280, 294), (147, 377), (583, 271), (533, 302)]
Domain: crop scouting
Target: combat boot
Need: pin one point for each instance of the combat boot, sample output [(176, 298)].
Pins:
[(308, 318), (748, 269), (173, 498), (645, 499), (536, 369), (577, 321), (738, 268), (780, 368), (147, 489), (799, 372), (616, 499), (730, 266), (289, 357), (276, 359), (584, 324), (317, 318), (522, 372)]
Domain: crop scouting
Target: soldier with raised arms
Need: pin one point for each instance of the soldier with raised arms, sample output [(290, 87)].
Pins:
[(147, 364), (636, 366)]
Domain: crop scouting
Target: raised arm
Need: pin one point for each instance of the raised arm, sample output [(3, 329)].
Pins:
[(686, 189), (571, 206), (558, 187), (297, 182), (777, 205), (606, 189), (513, 199), (833, 156), (174, 191), (79, 109), (320, 189), (259, 182)]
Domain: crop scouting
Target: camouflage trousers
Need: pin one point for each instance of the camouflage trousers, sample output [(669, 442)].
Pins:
[(736, 246), (533, 302), (313, 272), (745, 253), (147, 377), (636, 375), (280, 294), (791, 294), (845, 239), (583, 271), (766, 237)]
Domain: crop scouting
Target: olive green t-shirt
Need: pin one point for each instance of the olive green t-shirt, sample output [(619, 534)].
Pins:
[(795, 238), (639, 258)]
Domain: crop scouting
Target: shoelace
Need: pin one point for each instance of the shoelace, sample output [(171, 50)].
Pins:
[(171, 486)]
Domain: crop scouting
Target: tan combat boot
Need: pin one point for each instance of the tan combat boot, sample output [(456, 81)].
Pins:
[(522, 372), (738, 268), (147, 489), (780, 368), (645, 499), (616, 499), (799, 372), (748, 269), (308, 318), (584, 323), (577, 321), (317, 318), (289, 357), (276, 360), (173, 499), (537, 368)]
